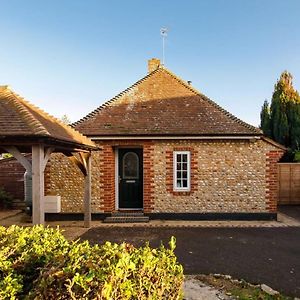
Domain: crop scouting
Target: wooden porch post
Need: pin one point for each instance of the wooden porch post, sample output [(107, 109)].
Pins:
[(87, 193), (38, 212)]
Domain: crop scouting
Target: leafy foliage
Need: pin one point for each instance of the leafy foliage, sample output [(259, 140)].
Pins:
[(265, 124), (5, 198), (39, 263), (297, 156), (7, 155), (65, 119), (281, 119)]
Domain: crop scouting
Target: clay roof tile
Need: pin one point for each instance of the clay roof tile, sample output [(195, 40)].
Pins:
[(19, 117), (162, 104)]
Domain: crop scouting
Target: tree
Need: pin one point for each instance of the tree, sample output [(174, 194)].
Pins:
[(281, 120), (265, 124), (65, 119), (294, 117)]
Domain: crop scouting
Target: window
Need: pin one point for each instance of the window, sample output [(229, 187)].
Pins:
[(181, 169), (130, 166)]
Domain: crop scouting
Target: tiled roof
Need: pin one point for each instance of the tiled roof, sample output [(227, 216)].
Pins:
[(162, 104), (19, 118)]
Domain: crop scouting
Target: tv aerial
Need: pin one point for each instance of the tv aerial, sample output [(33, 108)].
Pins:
[(163, 33)]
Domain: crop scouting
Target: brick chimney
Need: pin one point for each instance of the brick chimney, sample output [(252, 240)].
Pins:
[(153, 64)]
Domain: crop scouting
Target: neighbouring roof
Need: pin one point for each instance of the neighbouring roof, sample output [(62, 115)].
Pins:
[(22, 121), (162, 104), (272, 142)]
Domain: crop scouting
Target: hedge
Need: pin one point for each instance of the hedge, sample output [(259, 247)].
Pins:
[(39, 263)]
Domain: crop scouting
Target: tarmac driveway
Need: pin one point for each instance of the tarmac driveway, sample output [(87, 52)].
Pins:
[(292, 211), (258, 255)]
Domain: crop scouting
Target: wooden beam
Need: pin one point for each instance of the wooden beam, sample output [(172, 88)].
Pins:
[(78, 163), (84, 164), (47, 156), (87, 191), (38, 157), (83, 158), (19, 157)]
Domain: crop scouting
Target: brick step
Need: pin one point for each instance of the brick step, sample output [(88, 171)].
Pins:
[(126, 219), (127, 214), (18, 204)]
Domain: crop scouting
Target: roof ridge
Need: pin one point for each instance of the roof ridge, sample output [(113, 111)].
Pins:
[(227, 113), (32, 122), (115, 98)]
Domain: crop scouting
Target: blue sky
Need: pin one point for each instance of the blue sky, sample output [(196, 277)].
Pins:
[(70, 56)]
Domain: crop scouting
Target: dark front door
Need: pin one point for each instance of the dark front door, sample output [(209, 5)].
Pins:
[(131, 178)]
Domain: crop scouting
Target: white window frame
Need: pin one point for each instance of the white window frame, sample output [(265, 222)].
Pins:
[(181, 189)]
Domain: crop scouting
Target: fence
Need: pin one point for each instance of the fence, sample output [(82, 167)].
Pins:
[(289, 183)]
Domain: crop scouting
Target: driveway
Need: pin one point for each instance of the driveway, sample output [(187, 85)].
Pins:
[(292, 211), (258, 255)]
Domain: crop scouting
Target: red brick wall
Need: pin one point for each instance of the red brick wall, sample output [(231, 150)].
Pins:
[(272, 189), (107, 180), (12, 177)]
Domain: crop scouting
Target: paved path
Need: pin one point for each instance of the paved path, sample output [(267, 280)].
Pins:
[(258, 255)]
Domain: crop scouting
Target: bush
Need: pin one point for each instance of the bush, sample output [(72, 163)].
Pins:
[(5, 198), (297, 156), (39, 263)]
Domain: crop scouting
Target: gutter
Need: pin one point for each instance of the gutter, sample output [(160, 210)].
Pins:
[(244, 137)]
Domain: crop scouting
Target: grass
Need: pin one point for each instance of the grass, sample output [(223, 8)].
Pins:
[(239, 289)]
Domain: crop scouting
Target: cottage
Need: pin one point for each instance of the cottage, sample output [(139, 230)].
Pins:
[(168, 151)]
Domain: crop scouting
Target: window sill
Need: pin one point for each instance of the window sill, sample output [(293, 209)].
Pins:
[(181, 193)]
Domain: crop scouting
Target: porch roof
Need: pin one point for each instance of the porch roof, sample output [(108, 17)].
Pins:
[(22, 124)]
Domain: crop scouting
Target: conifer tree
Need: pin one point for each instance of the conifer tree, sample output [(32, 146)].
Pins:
[(284, 113), (265, 124)]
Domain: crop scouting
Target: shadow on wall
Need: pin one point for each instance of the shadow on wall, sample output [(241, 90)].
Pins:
[(12, 177)]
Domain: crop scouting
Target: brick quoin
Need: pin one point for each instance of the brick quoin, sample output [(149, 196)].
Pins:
[(272, 158), (148, 177), (194, 171), (107, 178)]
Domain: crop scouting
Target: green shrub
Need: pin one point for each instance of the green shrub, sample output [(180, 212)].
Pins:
[(39, 263), (297, 156), (5, 198)]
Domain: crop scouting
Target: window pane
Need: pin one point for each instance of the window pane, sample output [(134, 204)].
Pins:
[(184, 183), (184, 166), (184, 157), (178, 183), (178, 157), (184, 174), (178, 175), (178, 166), (131, 165)]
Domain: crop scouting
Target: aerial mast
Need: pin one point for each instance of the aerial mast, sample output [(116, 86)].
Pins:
[(163, 33)]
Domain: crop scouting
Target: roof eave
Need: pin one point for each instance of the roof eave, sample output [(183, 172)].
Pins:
[(27, 141), (176, 136), (272, 142)]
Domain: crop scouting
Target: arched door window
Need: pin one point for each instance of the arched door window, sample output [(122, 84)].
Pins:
[(130, 166)]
